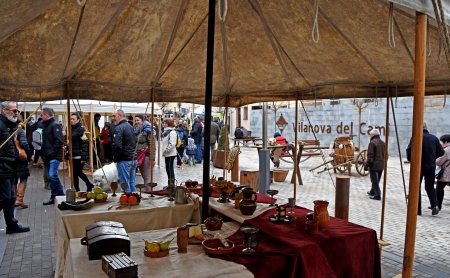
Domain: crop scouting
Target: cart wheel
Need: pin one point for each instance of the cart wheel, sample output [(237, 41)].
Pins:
[(360, 162)]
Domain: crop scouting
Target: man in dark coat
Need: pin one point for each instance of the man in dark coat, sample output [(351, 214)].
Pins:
[(8, 159), (52, 143), (431, 150), (123, 150), (375, 163), (196, 133), (214, 137)]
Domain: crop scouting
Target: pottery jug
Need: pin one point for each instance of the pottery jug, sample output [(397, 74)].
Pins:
[(247, 205), (321, 213), (181, 195)]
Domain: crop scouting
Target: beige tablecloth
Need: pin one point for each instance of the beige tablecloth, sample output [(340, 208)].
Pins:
[(228, 209), (151, 214), (194, 263)]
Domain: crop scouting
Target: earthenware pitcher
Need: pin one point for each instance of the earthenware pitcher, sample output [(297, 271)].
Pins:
[(321, 213), (247, 206)]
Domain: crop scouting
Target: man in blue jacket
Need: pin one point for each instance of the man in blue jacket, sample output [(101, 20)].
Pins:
[(123, 150), (431, 149), (52, 144)]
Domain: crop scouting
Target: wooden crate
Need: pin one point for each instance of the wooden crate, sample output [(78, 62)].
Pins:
[(250, 178)]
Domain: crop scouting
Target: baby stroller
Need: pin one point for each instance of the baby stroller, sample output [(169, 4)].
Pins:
[(190, 151)]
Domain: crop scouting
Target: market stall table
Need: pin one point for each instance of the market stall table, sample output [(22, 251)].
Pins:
[(151, 214), (343, 249), (228, 209), (194, 263)]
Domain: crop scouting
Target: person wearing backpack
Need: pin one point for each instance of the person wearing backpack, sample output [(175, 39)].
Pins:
[(52, 152), (169, 143), (79, 152), (196, 133), (182, 135)]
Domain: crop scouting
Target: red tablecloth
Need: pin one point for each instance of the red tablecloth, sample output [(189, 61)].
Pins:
[(342, 250), (261, 198)]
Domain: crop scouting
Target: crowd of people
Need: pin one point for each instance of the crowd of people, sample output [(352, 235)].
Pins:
[(130, 145)]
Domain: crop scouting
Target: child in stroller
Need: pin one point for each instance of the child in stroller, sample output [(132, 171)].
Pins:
[(190, 151)]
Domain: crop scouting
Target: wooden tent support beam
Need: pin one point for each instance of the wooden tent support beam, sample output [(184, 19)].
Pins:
[(92, 139), (152, 138), (386, 157), (294, 177), (225, 142), (69, 137), (417, 134), (159, 141)]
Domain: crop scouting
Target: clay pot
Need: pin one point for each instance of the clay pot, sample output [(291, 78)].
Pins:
[(247, 206), (321, 213)]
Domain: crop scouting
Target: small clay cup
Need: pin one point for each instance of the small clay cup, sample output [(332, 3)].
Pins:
[(312, 227), (300, 223)]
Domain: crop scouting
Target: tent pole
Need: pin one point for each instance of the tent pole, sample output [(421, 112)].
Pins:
[(417, 134), (386, 157), (92, 138), (159, 141), (295, 148), (152, 138), (208, 101), (225, 142), (69, 136)]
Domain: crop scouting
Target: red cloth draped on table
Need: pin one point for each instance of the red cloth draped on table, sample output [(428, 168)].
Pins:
[(261, 198), (342, 250)]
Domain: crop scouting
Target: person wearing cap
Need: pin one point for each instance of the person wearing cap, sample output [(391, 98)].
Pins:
[(375, 163), (431, 150), (277, 152)]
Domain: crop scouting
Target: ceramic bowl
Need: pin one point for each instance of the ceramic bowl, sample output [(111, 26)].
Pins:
[(213, 223), (214, 246), (159, 254)]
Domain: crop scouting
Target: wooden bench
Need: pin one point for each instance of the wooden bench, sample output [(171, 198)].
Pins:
[(311, 147), (245, 140)]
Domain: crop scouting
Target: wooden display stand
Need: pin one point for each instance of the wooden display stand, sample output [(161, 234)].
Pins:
[(250, 178)]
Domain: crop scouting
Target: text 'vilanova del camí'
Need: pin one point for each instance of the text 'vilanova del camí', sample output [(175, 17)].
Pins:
[(340, 128)]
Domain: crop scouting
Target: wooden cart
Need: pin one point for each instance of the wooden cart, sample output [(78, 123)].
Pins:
[(344, 156)]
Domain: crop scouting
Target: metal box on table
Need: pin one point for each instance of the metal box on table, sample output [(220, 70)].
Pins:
[(119, 266), (104, 238)]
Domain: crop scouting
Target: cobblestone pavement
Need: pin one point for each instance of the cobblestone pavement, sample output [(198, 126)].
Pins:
[(32, 254)]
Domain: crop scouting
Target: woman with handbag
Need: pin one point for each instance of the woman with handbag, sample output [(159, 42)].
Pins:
[(443, 162), (143, 132), (80, 149)]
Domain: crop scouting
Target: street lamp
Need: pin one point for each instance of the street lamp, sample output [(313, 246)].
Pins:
[(281, 123)]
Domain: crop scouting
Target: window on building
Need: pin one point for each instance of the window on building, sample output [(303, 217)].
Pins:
[(246, 113)]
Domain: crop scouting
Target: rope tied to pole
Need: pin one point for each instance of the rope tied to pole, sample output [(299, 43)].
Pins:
[(222, 14), (81, 2), (315, 29), (391, 36)]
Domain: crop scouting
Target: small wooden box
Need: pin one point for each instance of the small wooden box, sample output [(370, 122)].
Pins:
[(250, 178), (119, 266)]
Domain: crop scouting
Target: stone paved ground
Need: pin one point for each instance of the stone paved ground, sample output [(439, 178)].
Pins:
[(31, 254)]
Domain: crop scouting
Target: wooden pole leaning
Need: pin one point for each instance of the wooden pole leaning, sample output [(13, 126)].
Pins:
[(386, 157), (69, 137), (417, 135)]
